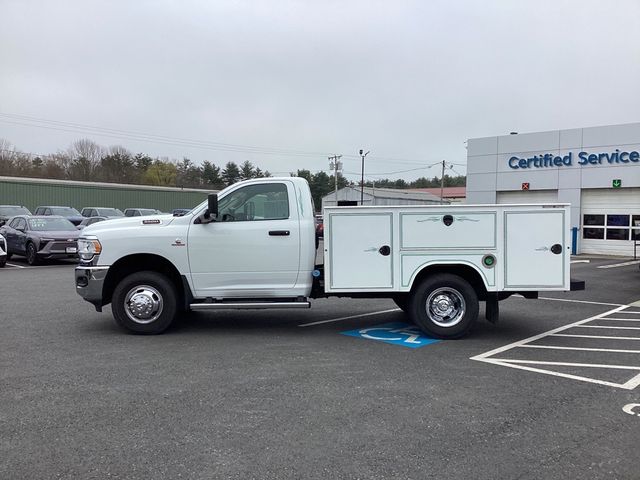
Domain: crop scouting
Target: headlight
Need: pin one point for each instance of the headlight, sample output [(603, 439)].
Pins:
[(88, 248)]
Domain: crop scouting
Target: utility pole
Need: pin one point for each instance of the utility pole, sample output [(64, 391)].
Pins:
[(362, 178), (442, 185), (335, 164)]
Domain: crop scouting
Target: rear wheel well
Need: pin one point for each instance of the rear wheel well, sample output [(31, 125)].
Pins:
[(464, 271), (138, 263)]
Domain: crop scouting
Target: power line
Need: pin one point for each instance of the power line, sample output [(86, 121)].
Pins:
[(34, 121), (73, 127)]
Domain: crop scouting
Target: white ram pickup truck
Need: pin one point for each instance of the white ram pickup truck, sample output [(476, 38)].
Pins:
[(253, 246)]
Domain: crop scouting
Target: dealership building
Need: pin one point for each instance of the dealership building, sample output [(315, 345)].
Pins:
[(595, 169)]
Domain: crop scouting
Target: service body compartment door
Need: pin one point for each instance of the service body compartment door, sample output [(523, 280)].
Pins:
[(536, 250), (360, 251)]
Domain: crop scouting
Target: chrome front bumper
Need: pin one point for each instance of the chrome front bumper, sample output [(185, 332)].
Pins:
[(89, 283)]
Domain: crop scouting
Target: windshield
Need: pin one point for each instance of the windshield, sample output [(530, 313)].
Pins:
[(65, 211), (11, 211), (111, 212), (50, 224)]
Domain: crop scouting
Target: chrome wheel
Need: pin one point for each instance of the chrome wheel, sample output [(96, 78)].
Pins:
[(445, 307), (143, 304)]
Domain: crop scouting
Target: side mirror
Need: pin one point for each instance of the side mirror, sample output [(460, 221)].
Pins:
[(212, 207)]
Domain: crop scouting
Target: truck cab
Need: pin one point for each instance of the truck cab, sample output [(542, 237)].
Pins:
[(257, 249)]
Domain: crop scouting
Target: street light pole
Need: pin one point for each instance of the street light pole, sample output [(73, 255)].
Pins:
[(362, 177)]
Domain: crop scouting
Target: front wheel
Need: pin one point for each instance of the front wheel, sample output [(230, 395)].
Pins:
[(444, 306), (32, 254), (144, 302)]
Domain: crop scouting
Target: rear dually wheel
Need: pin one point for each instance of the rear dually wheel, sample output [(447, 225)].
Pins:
[(444, 306)]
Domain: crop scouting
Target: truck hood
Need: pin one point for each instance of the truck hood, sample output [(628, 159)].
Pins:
[(122, 223)]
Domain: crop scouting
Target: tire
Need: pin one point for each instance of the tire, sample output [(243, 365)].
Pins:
[(3, 262), (32, 254), (9, 256), (155, 304), (444, 306)]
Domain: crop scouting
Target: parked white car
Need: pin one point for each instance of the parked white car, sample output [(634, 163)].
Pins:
[(3, 252)]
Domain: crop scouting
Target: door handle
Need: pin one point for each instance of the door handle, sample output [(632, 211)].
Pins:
[(279, 233), (556, 249)]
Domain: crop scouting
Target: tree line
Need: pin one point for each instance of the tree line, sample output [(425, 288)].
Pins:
[(85, 160)]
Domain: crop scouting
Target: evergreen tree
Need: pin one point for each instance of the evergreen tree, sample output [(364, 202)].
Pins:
[(230, 174)]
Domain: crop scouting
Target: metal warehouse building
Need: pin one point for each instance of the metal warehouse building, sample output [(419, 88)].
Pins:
[(381, 196), (596, 170), (32, 192)]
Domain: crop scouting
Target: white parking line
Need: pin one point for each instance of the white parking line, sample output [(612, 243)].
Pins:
[(580, 261), (348, 318), (623, 319), (593, 336), (623, 264), (582, 301), (581, 349), (606, 326), (568, 364), (533, 365), (14, 265)]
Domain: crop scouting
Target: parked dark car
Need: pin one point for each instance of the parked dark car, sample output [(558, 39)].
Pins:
[(101, 212), (3, 252), (69, 213), (141, 212), (8, 211), (90, 221), (40, 237), (319, 226)]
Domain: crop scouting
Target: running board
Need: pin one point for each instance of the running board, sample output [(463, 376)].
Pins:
[(246, 305)]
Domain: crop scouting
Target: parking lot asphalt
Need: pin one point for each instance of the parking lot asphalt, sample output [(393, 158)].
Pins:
[(277, 394)]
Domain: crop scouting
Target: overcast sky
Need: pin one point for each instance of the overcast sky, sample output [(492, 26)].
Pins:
[(288, 83)]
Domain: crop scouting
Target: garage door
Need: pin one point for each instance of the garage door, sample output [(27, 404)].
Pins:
[(528, 196), (608, 219)]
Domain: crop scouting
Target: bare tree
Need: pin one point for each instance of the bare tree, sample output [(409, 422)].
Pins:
[(85, 157), (7, 157)]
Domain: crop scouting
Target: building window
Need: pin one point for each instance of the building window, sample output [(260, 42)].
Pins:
[(612, 226), (617, 234), (635, 222), (593, 220), (593, 233), (617, 220)]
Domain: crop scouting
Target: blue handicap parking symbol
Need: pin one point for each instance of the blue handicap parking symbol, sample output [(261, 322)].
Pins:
[(396, 333)]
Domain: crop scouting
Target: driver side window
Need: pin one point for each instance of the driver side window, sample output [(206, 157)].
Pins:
[(255, 202)]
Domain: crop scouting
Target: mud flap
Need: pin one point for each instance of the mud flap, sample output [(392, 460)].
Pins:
[(492, 311)]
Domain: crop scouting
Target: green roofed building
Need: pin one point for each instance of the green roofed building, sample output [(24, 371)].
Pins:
[(32, 192)]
